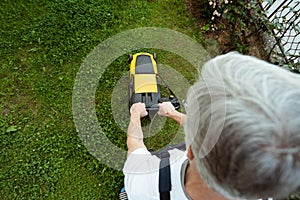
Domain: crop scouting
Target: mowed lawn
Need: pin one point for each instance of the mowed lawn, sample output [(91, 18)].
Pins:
[(42, 46)]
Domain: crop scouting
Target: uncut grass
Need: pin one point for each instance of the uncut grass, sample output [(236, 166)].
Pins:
[(42, 46)]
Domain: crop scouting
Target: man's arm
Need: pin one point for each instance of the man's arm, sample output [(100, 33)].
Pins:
[(167, 109), (134, 133)]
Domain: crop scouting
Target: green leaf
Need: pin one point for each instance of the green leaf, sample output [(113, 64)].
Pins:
[(11, 129), (206, 27), (33, 49)]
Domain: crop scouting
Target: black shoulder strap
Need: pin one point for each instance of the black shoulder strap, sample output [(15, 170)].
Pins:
[(165, 185), (164, 176)]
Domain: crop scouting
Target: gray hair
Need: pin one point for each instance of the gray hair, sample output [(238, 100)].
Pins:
[(243, 125)]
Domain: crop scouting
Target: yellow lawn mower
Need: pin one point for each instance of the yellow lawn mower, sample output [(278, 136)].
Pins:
[(145, 83)]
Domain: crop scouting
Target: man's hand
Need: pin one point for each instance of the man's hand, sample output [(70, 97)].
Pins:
[(138, 109), (166, 109)]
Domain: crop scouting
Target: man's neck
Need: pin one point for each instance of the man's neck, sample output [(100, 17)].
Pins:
[(195, 187)]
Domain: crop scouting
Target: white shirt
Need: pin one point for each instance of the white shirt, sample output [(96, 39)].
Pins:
[(141, 172)]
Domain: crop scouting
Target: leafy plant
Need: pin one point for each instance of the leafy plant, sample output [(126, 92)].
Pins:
[(242, 19)]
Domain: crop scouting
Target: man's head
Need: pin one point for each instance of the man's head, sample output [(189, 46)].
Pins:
[(243, 125)]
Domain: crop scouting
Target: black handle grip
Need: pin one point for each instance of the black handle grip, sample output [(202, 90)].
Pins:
[(173, 99)]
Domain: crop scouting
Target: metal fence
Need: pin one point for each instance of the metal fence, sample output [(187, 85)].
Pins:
[(283, 22)]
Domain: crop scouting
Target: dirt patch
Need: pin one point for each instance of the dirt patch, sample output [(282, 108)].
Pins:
[(20, 102), (5, 110)]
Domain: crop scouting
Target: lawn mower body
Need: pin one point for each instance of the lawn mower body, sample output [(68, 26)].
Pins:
[(144, 83)]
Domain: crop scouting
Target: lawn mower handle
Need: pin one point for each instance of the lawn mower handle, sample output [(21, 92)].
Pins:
[(172, 99)]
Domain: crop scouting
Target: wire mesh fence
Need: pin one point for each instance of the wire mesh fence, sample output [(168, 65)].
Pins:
[(283, 18)]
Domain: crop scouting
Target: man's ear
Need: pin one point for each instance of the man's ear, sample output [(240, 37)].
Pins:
[(190, 154)]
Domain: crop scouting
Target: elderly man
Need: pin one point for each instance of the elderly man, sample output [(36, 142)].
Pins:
[(242, 136)]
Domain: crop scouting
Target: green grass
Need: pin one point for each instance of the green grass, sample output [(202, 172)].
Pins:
[(42, 45)]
